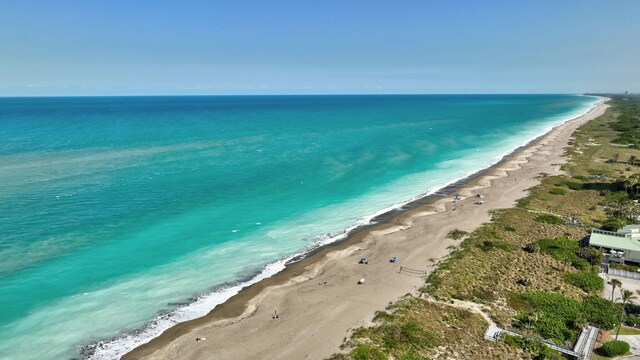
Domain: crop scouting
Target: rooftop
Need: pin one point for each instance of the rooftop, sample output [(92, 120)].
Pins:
[(627, 238)]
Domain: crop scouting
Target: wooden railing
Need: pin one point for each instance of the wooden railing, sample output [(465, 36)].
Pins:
[(413, 271)]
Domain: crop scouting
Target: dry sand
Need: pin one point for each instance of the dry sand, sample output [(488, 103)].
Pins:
[(313, 318)]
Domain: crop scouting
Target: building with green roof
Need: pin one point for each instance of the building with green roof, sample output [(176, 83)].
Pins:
[(623, 245)]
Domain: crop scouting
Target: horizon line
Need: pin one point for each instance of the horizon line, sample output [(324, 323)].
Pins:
[(310, 94)]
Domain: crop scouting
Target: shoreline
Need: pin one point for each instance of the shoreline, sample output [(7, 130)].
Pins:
[(377, 238)]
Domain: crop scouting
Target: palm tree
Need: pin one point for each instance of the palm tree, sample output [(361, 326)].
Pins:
[(627, 297), (614, 283)]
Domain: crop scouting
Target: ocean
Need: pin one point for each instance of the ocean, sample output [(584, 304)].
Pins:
[(120, 216)]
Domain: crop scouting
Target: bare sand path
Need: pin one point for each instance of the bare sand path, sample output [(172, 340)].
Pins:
[(314, 318)]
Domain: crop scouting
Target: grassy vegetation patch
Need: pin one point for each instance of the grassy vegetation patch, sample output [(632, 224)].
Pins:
[(549, 219), (629, 330), (367, 352), (532, 346), (571, 185), (564, 250), (558, 191), (488, 245), (586, 280), (627, 123), (553, 317), (476, 272), (559, 317), (601, 312), (626, 267), (457, 234), (524, 203), (413, 328)]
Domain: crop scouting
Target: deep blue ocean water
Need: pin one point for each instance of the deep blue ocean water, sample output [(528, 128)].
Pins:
[(118, 210)]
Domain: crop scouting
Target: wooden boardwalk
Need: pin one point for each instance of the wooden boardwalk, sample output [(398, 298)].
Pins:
[(583, 350)]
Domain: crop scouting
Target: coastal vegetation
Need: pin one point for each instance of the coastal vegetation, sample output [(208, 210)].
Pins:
[(588, 281), (528, 266), (457, 234), (413, 328), (531, 346), (614, 348)]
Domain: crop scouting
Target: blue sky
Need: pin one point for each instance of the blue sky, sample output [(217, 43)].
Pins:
[(316, 47)]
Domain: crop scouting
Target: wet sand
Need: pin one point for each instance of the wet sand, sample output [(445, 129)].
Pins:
[(314, 316)]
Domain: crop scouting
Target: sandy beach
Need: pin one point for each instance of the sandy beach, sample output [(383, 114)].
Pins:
[(318, 300)]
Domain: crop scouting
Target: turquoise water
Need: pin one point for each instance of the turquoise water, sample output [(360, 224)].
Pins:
[(128, 213)]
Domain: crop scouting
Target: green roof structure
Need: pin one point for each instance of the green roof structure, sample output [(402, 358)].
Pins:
[(613, 240), (624, 243)]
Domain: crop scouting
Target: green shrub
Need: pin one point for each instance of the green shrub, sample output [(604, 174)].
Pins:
[(571, 185), (456, 234), (591, 254), (488, 245), (412, 356), (613, 224), (382, 316), (414, 333), (367, 352), (434, 281), (626, 267), (601, 312), (585, 280), (549, 219), (524, 202), (581, 177), (555, 315), (513, 341), (564, 249), (558, 243), (616, 196), (614, 348), (632, 320), (555, 328), (410, 334), (557, 191), (539, 350)]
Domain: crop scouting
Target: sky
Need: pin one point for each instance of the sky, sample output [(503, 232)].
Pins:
[(86, 47)]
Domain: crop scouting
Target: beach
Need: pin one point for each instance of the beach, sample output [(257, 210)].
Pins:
[(244, 186), (317, 300)]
